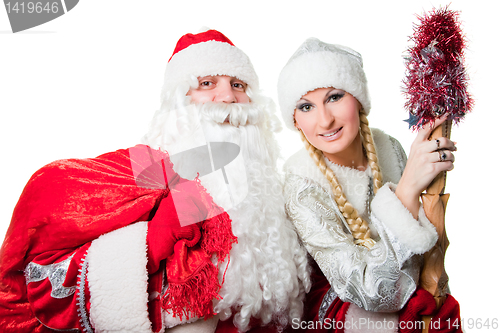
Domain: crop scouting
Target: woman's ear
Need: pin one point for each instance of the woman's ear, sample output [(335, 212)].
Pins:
[(295, 122), (360, 107)]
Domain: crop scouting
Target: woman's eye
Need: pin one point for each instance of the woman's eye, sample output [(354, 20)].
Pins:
[(205, 83), (305, 107), (336, 96)]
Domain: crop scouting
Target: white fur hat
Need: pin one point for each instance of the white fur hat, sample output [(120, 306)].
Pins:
[(208, 53), (320, 65)]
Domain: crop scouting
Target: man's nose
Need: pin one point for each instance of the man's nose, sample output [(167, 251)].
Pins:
[(225, 93)]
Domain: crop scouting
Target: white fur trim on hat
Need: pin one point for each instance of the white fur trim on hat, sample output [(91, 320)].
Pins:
[(320, 65), (209, 58)]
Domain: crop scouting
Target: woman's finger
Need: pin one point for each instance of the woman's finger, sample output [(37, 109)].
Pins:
[(440, 144), (427, 129), (443, 156)]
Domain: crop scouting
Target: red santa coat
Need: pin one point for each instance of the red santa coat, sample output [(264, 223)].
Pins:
[(62, 213)]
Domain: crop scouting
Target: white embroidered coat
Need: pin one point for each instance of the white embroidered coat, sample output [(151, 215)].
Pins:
[(383, 278)]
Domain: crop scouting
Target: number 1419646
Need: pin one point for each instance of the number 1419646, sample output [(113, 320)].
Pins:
[(23, 7)]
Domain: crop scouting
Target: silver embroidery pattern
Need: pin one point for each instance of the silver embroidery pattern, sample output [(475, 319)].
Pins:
[(81, 308), (56, 273), (400, 153), (380, 279), (327, 301)]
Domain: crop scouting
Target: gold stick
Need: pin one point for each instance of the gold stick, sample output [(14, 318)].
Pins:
[(433, 277)]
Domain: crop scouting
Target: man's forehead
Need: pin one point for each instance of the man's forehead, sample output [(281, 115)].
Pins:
[(232, 78)]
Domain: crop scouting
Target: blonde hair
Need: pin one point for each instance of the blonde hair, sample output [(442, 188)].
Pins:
[(358, 226)]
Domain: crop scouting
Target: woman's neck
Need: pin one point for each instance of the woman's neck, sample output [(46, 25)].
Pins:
[(353, 157)]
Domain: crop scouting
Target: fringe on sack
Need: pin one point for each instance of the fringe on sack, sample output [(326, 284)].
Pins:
[(218, 236), (194, 297)]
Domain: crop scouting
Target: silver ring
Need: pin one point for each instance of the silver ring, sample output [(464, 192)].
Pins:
[(438, 143), (442, 156)]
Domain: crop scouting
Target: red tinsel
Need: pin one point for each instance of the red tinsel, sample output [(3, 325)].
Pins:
[(436, 81)]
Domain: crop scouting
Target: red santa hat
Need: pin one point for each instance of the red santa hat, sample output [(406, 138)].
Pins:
[(208, 53)]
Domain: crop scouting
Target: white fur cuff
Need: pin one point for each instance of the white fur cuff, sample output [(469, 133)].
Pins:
[(419, 236), (118, 280)]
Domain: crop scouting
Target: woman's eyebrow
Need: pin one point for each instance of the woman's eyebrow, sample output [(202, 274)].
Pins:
[(302, 100)]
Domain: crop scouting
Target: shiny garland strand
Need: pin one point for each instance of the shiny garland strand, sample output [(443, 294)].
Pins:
[(436, 80)]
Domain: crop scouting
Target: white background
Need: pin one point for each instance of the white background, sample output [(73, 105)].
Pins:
[(89, 82)]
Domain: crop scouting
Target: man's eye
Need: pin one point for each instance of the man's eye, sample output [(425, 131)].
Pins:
[(205, 83), (239, 86)]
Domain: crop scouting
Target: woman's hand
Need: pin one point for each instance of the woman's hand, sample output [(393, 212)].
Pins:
[(427, 159)]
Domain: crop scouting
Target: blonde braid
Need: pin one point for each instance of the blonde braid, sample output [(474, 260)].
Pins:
[(359, 227), (371, 153)]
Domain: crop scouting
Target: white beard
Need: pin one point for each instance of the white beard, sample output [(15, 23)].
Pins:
[(268, 273)]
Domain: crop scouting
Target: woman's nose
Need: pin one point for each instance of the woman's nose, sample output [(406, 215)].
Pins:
[(325, 116)]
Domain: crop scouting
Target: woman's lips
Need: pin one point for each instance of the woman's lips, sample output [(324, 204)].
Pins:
[(332, 135)]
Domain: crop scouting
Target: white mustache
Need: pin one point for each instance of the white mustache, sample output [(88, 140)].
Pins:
[(236, 114)]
